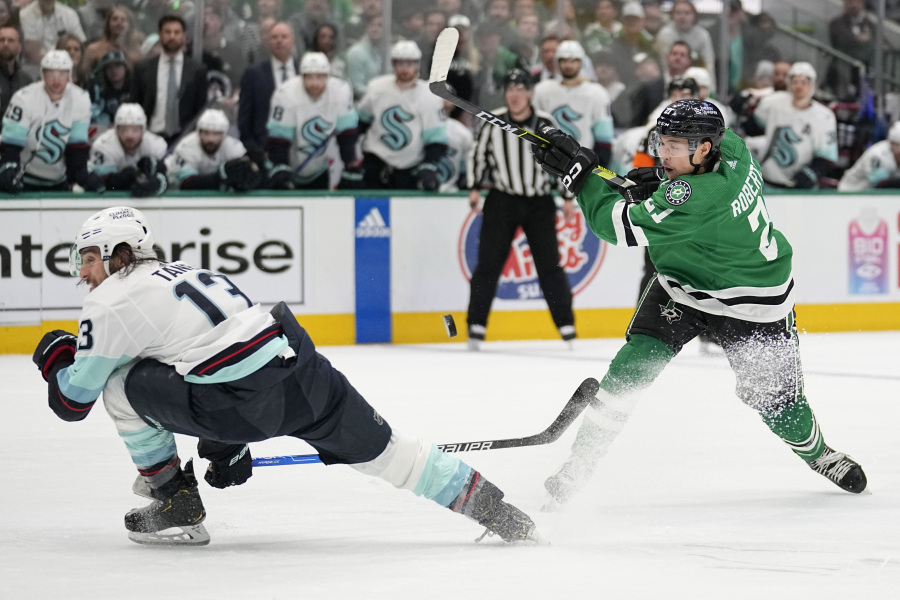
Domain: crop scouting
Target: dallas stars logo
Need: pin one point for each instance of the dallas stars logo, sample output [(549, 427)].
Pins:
[(678, 192), (669, 312)]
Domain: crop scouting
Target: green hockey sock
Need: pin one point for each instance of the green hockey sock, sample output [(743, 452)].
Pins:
[(796, 425), (636, 365)]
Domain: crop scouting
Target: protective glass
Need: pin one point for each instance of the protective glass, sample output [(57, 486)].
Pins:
[(74, 261), (670, 148)]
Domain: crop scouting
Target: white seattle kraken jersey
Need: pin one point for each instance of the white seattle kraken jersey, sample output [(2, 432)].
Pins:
[(308, 124), (581, 111), (107, 155), (874, 166), (460, 141), (793, 137), (171, 312), (404, 121), (189, 158), (44, 128)]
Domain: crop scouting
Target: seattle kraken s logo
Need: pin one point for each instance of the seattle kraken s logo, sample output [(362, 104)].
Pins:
[(446, 167), (314, 132), (783, 150), (398, 135), (566, 118), (52, 144)]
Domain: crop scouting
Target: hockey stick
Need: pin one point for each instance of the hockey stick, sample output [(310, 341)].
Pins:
[(444, 49), (579, 400)]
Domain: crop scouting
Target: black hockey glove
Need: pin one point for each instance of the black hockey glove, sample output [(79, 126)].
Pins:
[(646, 181), (233, 469), (351, 178), (281, 177), (428, 177), (565, 158), (94, 183), (55, 345), (241, 174), (149, 185), (149, 165), (805, 179), (9, 173)]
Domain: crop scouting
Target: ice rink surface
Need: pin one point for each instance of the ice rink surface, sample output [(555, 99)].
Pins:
[(696, 499)]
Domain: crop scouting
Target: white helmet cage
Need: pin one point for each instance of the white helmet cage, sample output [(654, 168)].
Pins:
[(569, 49), (56, 60), (406, 50), (314, 62), (131, 113), (108, 228), (213, 119)]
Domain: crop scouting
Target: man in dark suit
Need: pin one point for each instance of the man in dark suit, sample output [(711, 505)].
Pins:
[(171, 87), (258, 85)]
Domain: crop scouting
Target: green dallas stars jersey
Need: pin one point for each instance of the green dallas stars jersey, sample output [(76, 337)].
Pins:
[(709, 236)]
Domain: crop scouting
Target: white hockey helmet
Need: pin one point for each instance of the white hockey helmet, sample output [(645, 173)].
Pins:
[(213, 119), (108, 228), (314, 62), (569, 49), (804, 69), (57, 59), (894, 133), (406, 50), (131, 113), (700, 75)]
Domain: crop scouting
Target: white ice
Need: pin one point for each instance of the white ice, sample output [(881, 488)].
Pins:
[(696, 499)]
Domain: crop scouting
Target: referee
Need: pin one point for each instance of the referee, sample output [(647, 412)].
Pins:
[(519, 196)]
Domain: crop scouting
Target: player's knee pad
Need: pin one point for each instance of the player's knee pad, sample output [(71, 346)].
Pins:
[(636, 365), (401, 463), (116, 401)]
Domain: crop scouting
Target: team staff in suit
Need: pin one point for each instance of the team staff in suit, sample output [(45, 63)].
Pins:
[(259, 83), (169, 111)]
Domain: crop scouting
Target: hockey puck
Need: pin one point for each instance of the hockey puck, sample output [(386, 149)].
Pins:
[(450, 325)]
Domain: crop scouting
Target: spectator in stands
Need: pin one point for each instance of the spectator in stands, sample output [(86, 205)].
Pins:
[(258, 85), (631, 41), (109, 88), (406, 154), (853, 33), (747, 45), (128, 157), (498, 15), (607, 71), (548, 66), (604, 29), (43, 22), (495, 61), (684, 27), (151, 11), (364, 58), (643, 97), (800, 142), (93, 14), (569, 28), (355, 25), (220, 53), (528, 26), (12, 77), (654, 18), (877, 167), (171, 87), (435, 23), (75, 47), (235, 30), (304, 23), (119, 33), (268, 12), (210, 159), (327, 41), (6, 15), (410, 21), (306, 113)]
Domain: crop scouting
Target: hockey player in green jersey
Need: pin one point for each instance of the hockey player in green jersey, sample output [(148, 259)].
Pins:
[(722, 268)]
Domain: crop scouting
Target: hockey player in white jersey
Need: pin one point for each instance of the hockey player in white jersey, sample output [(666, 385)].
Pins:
[(45, 133), (459, 142), (877, 167), (176, 349), (579, 106), (210, 159), (404, 123), (129, 157), (306, 112), (800, 143)]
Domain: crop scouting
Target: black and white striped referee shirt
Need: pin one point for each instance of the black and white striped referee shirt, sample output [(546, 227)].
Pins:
[(505, 161)]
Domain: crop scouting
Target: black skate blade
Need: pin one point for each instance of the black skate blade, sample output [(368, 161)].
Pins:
[(195, 535)]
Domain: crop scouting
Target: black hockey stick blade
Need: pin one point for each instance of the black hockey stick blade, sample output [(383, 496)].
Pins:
[(576, 404), (444, 48)]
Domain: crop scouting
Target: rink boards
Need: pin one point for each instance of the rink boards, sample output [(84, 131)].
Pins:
[(384, 269)]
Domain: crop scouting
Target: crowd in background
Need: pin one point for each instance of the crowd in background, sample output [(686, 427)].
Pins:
[(634, 49)]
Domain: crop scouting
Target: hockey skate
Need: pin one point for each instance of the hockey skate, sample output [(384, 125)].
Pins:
[(476, 337), (482, 502), (175, 516), (841, 469)]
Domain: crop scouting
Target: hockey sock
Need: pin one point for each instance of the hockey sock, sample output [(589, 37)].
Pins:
[(603, 422), (796, 425), (164, 477), (636, 365), (149, 445)]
